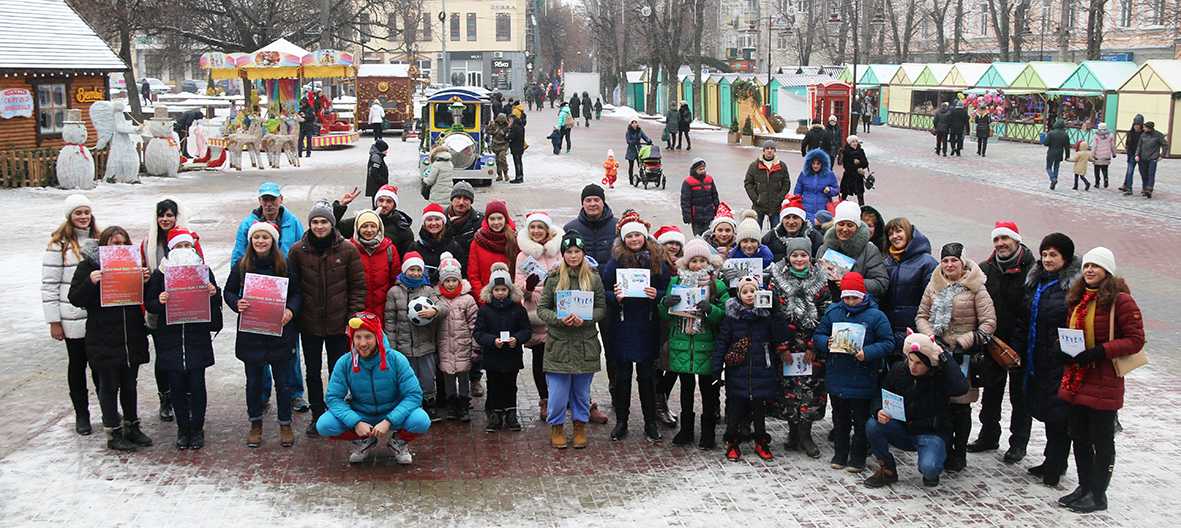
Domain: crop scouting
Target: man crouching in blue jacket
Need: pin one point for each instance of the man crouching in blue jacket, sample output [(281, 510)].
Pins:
[(384, 395)]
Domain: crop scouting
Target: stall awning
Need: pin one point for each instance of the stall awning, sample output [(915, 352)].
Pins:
[(935, 89), (1079, 93)]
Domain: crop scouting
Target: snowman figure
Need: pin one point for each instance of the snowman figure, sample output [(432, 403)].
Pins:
[(118, 133), (75, 165), (162, 157)]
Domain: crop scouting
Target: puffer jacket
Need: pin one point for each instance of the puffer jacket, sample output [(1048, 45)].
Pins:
[(440, 179), (925, 397), (816, 138), (867, 260), (766, 183), (908, 280), (1152, 144), (635, 332), (699, 198), (572, 349), (410, 339), (181, 347), (693, 353), (971, 311), (392, 392), (548, 255), (115, 336), (672, 121), (498, 316), (431, 249), (454, 337), (845, 375), (762, 253), (758, 333), (57, 270), (332, 284), (1104, 148), (811, 185), (1036, 338), (396, 224), (1101, 388), (381, 266), (252, 348), (598, 234), (776, 239), (634, 137)]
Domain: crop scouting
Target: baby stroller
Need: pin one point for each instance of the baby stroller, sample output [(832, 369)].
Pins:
[(651, 170)]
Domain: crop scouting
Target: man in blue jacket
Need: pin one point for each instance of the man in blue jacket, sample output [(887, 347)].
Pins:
[(373, 395)]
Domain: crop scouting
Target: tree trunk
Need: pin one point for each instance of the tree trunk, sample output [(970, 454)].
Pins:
[(958, 29), (133, 96), (698, 29), (1095, 28), (1063, 31), (1020, 20)]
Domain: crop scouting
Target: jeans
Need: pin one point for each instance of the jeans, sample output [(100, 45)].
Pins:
[(188, 398), (849, 413), (76, 375), (305, 143), (565, 136), (337, 346), (1093, 433), (116, 387), (990, 411), (502, 391), (1147, 173), (1052, 169), (646, 386), (415, 423), (538, 351), (772, 219), (931, 450), (255, 374), (1130, 173), (294, 377), (568, 390), (740, 411), (424, 369)]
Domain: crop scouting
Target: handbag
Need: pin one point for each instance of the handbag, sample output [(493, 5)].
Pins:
[(1124, 364), (736, 354), (869, 182), (1003, 354)]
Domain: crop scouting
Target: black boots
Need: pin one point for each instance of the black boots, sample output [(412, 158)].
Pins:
[(495, 421), (793, 437), (652, 432), (463, 407), (662, 415), (620, 430), (165, 407), (182, 438), (804, 434), (960, 416), (684, 436), (708, 438), (117, 440), (510, 419), (81, 413), (135, 435)]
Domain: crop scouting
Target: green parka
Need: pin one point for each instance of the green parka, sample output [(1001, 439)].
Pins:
[(571, 349), (690, 353)]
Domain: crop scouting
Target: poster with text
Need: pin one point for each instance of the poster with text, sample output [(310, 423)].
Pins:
[(122, 281), (267, 296), (188, 294), (577, 302), (632, 281)]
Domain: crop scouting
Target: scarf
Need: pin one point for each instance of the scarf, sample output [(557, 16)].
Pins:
[(453, 219), (492, 240), (798, 296), (896, 254), (320, 244), (1011, 264), (1083, 318), (449, 294), (370, 244), (1031, 343), (692, 279), (412, 284), (799, 274), (943, 305)]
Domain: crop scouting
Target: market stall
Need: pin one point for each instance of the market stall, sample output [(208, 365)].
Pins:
[(710, 100), (726, 100), (1028, 111), (898, 94), (1088, 97), (875, 85), (1154, 92), (926, 95)]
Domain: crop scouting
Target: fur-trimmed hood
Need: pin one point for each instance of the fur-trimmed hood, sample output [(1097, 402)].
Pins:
[(820, 154), (551, 248), (852, 247), (515, 294), (1066, 276), (973, 279), (736, 310)]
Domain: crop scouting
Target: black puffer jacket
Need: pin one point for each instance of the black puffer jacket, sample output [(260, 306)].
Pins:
[(182, 346), (252, 348), (497, 316), (432, 249), (1042, 356), (1006, 286), (908, 279), (925, 397), (115, 336), (816, 138)]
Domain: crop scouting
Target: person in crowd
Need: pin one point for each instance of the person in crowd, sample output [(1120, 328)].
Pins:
[(745, 351), (684, 124), (66, 321), (1101, 305), (587, 108), (767, 181), (635, 137), (502, 328), (1132, 149), (635, 339), (394, 221), (415, 337), (867, 112), (610, 169), (957, 124), (909, 266), (822, 221), (433, 242), (495, 241), (856, 169), (792, 224), (672, 240), (309, 127), (270, 209), (498, 133), (958, 311), (376, 120), (439, 180), (145, 91), (876, 224), (462, 220), (699, 198), (456, 343), (258, 351), (722, 233), (1103, 153), (573, 343), (942, 126), (850, 237), (834, 137), (926, 381), (555, 139), (1005, 270), (983, 130), (852, 368), (816, 183), (566, 121), (749, 241), (379, 258), (1036, 339), (377, 173), (516, 147), (116, 344), (1148, 153), (373, 396), (1057, 146), (815, 138), (801, 292), (598, 109), (331, 280), (672, 126), (540, 253), (575, 109), (1082, 159), (184, 350)]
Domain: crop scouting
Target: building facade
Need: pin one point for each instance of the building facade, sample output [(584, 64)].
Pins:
[(751, 32)]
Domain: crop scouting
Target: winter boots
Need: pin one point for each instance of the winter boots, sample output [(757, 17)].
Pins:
[(597, 416), (652, 433), (762, 448), (432, 410), (197, 439), (733, 453), (182, 438), (793, 438), (81, 413), (135, 435), (708, 438), (557, 436), (684, 437), (254, 437), (117, 440), (620, 430), (286, 436), (1085, 181), (165, 407), (580, 440), (458, 409), (885, 475), (662, 415), (495, 421), (804, 435), (961, 426), (510, 419)]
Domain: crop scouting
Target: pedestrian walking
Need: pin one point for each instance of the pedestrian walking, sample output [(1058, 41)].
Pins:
[(815, 138), (958, 123), (856, 168), (941, 127), (502, 328), (566, 120), (684, 124), (983, 130), (1057, 144), (867, 112), (672, 125), (816, 183), (376, 119), (377, 173), (1132, 149), (145, 91), (1148, 152), (610, 169), (699, 198), (309, 127), (766, 182), (517, 146), (1082, 159), (634, 137), (1102, 153), (498, 141), (587, 108), (598, 109)]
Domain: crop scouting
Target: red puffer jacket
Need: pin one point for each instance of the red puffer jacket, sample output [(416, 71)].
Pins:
[(1101, 389), (381, 269), (479, 264)]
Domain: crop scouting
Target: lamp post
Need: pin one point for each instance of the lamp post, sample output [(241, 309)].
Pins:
[(877, 20)]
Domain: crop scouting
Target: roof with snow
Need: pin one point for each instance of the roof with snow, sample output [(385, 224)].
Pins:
[(282, 46), (383, 70), (1155, 76), (1099, 76), (635, 76), (49, 35)]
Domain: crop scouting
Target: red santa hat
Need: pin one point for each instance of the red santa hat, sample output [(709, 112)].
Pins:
[(179, 235), (412, 259), (434, 209), (630, 223), (539, 216), (1006, 228), (670, 233), (371, 323), (387, 190), (793, 204), (853, 285), (724, 215)]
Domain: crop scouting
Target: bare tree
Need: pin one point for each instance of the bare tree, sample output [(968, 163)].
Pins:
[(957, 29), (604, 20), (901, 31), (806, 31), (119, 20), (937, 12), (1000, 15), (1095, 13)]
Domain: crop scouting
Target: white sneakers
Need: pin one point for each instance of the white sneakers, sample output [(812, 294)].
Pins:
[(401, 450), (363, 451)]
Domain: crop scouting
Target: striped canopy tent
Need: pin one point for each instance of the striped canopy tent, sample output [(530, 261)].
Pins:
[(1097, 82), (1000, 75), (1154, 92), (222, 66), (964, 74)]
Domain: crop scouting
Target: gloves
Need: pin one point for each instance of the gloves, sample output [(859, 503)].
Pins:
[(704, 307), (671, 300), (1089, 355), (729, 274), (531, 283)]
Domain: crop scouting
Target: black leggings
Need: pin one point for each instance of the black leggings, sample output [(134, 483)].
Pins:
[(981, 145), (502, 390), (337, 346), (518, 165), (539, 374), (683, 134), (162, 385), (709, 395), (849, 413), (741, 411), (188, 398), (1093, 433), (1100, 169), (76, 374), (631, 168), (116, 387)]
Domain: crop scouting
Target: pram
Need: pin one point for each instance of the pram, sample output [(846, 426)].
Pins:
[(651, 170)]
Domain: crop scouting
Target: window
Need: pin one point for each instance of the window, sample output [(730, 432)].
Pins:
[(1067, 17), (781, 41), (424, 68), (51, 108), (363, 28), (455, 27), (1125, 13), (504, 27), (984, 19), (391, 27), (471, 27), (1158, 12), (426, 27)]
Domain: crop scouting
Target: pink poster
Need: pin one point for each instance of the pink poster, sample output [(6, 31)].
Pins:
[(267, 297), (188, 294), (122, 281)]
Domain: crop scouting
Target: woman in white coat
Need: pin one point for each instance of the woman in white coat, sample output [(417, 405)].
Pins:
[(540, 254)]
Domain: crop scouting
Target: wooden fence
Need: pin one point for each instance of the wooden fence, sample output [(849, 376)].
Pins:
[(37, 167)]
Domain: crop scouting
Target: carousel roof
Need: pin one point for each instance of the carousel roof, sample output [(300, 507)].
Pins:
[(283, 46), (49, 35)]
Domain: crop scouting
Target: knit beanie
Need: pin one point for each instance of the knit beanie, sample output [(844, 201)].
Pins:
[(371, 323), (698, 248), (669, 233), (724, 215), (1006, 228), (848, 211), (749, 280), (793, 204), (631, 222), (798, 244), (434, 209), (321, 209), (463, 190), (571, 239), (367, 216), (853, 285), (823, 217), (496, 206), (1058, 241), (411, 260), (1101, 257), (593, 190), (449, 267), (500, 275), (693, 166), (748, 228), (75, 201), (265, 227), (389, 191)]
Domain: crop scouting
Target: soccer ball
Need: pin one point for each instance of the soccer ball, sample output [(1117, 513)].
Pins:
[(416, 305)]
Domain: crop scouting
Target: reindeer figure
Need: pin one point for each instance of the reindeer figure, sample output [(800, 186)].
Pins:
[(273, 140), (249, 139), (291, 129)]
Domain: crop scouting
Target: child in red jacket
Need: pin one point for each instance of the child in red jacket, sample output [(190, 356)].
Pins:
[(611, 166)]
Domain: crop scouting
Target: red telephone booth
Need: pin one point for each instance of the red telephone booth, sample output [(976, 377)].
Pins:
[(832, 99)]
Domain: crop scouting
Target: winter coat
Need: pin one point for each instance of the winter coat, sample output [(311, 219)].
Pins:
[(635, 334), (57, 270), (564, 116), (1036, 338), (686, 118), (440, 179), (516, 137), (1101, 388), (635, 137), (672, 121), (461, 232), (800, 302), (182, 346), (867, 260), (494, 317), (971, 311), (766, 184), (815, 138), (575, 107), (480, 260), (908, 280), (693, 353), (587, 108), (1057, 142), (1006, 286), (853, 159), (409, 339), (699, 199), (393, 392), (878, 239), (983, 126), (598, 234), (763, 252), (835, 141), (332, 285), (723, 250), (845, 375), (396, 224), (1104, 147), (431, 250), (115, 336), (498, 135), (811, 185), (381, 267), (290, 232), (1132, 139), (755, 333), (925, 397), (957, 120), (1081, 161), (1152, 144), (549, 256), (454, 339), (942, 121), (252, 348), (377, 174), (776, 240), (571, 349)]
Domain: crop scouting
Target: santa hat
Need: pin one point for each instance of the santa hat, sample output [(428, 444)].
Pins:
[(1006, 228), (748, 228), (630, 223), (1101, 257), (372, 323), (265, 227), (538, 216), (698, 248), (178, 235), (853, 285), (412, 259), (847, 211), (724, 215), (669, 233), (449, 267), (75, 201), (434, 209), (500, 275), (793, 204), (387, 190)]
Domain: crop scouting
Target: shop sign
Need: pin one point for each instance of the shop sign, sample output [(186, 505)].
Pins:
[(502, 64), (16, 102), (1123, 56), (88, 94)]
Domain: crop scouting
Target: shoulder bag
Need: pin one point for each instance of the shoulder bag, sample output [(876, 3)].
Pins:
[(1124, 364)]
